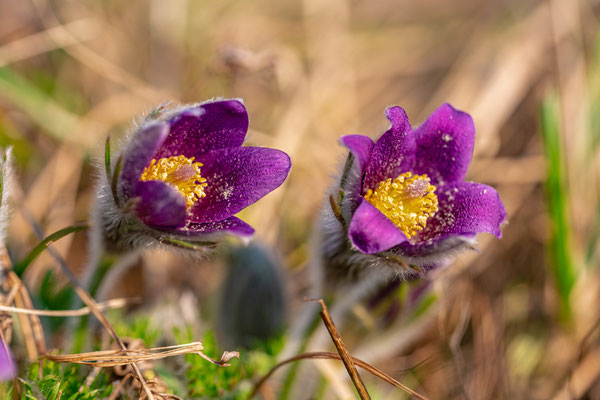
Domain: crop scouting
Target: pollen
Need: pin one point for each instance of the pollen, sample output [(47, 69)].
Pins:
[(180, 172), (408, 201)]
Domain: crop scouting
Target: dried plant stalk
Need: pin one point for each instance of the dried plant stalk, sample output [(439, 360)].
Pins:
[(332, 356), (88, 300), (113, 358), (110, 304), (343, 352)]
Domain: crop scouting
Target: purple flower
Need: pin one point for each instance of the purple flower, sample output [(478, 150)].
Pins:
[(7, 365), (185, 174), (405, 196)]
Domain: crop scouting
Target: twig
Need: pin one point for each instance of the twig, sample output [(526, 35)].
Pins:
[(345, 356), (332, 356), (110, 304)]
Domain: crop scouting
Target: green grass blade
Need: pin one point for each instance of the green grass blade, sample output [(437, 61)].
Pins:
[(38, 106), (41, 246), (557, 197)]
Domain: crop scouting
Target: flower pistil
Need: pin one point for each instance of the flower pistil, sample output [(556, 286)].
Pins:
[(180, 172), (408, 201)]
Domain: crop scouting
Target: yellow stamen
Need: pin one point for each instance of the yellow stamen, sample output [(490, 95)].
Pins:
[(408, 201), (180, 172)]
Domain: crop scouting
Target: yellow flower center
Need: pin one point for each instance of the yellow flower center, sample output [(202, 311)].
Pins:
[(408, 201), (180, 172)]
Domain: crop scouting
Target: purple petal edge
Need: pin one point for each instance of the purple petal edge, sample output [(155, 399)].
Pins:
[(445, 145), (371, 231), (236, 178), (232, 225), (206, 127), (160, 205), (393, 153), (465, 209), (361, 146), (138, 155)]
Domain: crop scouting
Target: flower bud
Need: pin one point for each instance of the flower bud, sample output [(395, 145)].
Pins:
[(252, 307)]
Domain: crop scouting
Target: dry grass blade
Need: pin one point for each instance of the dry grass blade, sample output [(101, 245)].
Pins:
[(93, 60), (17, 293), (31, 325), (582, 378), (88, 300), (345, 356), (113, 358), (224, 361), (115, 394), (40, 42), (110, 304), (332, 356)]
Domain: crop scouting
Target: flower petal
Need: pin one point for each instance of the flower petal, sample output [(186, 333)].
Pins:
[(160, 205), (361, 146), (435, 250), (371, 231), (445, 145), (138, 155), (394, 152), (7, 364), (236, 178), (231, 225), (206, 127), (465, 208)]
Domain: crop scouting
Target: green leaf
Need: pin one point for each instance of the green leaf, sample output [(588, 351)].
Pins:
[(115, 180), (107, 159), (186, 244), (41, 246)]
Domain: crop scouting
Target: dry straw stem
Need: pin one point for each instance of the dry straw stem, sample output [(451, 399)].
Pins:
[(345, 356), (331, 356), (123, 383), (17, 293), (30, 325), (113, 358), (110, 304), (583, 377), (584, 371)]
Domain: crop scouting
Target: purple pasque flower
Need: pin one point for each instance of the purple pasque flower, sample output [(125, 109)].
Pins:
[(185, 174), (7, 364), (405, 196)]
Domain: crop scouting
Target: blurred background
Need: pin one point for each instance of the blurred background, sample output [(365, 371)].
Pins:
[(516, 319)]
